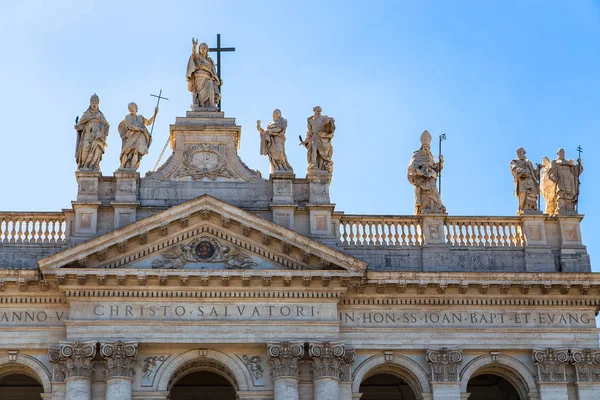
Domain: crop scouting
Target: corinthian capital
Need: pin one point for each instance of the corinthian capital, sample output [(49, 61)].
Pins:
[(551, 364), (444, 364), (285, 357), (587, 364), (327, 359), (59, 365), (78, 358), (119, 358), (346, 365)]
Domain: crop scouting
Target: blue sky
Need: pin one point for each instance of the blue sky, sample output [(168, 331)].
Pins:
[(492, 75)]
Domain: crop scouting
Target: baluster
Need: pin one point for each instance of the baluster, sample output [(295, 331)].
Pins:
[(363, 233), (59, 231), (26, 229), (343, 232), (3, 226), (377, 230), (449, 234), (396, 234), (389, 238), (352, 233), (520, 236), (410, 236), (13, 233)]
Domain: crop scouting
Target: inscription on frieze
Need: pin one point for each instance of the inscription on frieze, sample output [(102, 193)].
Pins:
[(458, 319)]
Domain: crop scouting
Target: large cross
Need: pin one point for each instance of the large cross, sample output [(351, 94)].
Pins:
[(219, 49)]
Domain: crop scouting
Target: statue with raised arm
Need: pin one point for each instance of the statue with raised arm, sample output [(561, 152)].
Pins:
[(318, 141), (272, 142), (565, 173), (423, 172), (547, 187), (202, 78), (526, 178), (136, 138), (92, 130)]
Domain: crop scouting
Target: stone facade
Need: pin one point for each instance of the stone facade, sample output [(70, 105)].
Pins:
[(204, 265)]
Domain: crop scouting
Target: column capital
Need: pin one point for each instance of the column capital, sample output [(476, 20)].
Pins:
[(587, 364), (551, 364), (329, 360), (73, 359), (444, 364), (285, 357), (119, 358)]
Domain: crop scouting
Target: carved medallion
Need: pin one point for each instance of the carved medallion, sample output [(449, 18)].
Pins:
[(203, 250), (205, 161)]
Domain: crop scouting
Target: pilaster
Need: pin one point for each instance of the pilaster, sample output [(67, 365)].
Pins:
[(445, 364), (552, 381), (285, 359), (587, 370), (119, 358)]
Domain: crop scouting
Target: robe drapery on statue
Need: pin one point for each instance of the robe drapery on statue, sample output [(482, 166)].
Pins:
[(272, 143), (136, 140), (202, 81), (526, 182), (422, 173), (318, 142), (92, 130), (565, 173)]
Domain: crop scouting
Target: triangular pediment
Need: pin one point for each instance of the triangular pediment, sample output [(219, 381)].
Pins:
[(204, 233)]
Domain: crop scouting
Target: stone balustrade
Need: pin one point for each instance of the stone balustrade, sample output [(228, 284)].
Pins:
[(488, 231), (380, 230), (32, 227), (398, 231)]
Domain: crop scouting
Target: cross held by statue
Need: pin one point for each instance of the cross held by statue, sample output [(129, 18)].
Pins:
[(218, 50)]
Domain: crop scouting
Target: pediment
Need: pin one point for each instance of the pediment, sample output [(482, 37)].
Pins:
[(203, 234)]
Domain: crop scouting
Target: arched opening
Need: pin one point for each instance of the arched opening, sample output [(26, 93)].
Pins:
[(491, 386), (19, 386), (386, 386), (203, 379)]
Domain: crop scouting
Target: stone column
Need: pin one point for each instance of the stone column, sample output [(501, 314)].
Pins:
[(285, 358), (327, 362), (587, 369), (444, 364), (72, 363), (552, 381), (119, 368)]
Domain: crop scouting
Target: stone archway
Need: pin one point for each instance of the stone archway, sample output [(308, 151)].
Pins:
[(506, 367), (229, 367), (28, 366), (402, 367), (201, 383)]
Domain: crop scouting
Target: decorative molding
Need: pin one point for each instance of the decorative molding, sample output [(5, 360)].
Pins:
[(444, 364), (284, 358), (119, 358), (587, 364), (346, 364), (551, 364)]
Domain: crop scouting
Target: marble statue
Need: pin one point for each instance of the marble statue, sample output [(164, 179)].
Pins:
[(92, 130), (423, 172), (565, 174), (272, 142), (526, 178), (135, 136), (548, 187), (318, 141), (202, 78)]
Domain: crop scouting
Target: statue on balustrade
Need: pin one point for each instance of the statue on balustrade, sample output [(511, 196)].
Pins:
[(318, 142), (202, 78), (92, 130), (526, 178), (272, 143), (136, 138), (564, 175), (423, 172), (547, 187)]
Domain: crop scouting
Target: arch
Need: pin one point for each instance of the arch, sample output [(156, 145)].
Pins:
[(402, 366), (505, 366), (240, 374), (29, 366)]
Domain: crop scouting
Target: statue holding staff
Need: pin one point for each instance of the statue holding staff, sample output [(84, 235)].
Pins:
[(136, 138), (422, 173), (565, 174)]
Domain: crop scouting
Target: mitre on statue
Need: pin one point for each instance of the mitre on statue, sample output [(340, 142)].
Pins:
[(425, 138)]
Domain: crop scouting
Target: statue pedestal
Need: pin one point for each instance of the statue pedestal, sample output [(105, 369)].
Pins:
[(282, 201), (126, 185), (538, 255), (573, 254), (88, 185), (318, 186)]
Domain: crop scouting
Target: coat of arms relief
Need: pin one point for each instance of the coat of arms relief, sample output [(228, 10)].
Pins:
[(203, 250)]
